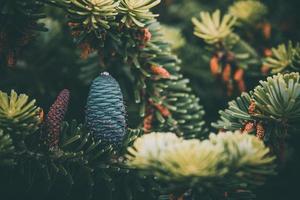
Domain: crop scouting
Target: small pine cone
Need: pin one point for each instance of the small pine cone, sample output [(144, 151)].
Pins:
[(227, 73), (260, 131), (55, 117), (147, 124), (160, 71), (105, 111), (214, 65), (252, 106), (249, 127)]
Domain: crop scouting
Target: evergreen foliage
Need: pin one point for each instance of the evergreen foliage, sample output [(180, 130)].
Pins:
[(270, 111), (6, 149), (202, 165), (283, 58), (162, 94), (213, 29)]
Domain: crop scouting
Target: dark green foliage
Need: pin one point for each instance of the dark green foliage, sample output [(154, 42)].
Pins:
[(59, 173), (275, 101), (271, 111), (6, 150), (19, 21), (105, 111), (186, 117), (236, 115)]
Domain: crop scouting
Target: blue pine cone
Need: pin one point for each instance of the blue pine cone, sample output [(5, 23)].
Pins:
[(105, 111)]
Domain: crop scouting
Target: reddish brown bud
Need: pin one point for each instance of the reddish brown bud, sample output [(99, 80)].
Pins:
[(267, 30), (214, 65), (239, 75), (85, 50), (249, 127), (146, 35), (252, 107), (227, 73), (160, 71), (241, 85), (260, 131), (265, 69), (148, 123), (268, 52), (163, 110)]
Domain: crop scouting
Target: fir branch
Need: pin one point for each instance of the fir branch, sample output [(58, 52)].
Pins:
[(160, 90), (284, 58), (195, 164), (213, 28), (6, 150), (18, 115), (270, 111)]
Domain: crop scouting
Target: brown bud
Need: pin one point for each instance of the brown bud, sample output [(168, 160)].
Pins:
[(147, 124), (214, 65), (146, 35), (267, 30), (260, 131), (249, 127), (241, 85), (41, 115), (85, 50), (239, 74), (268, 52), (265, 69), (163, 110), (252, 106), (227, 73), (160, 71)]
